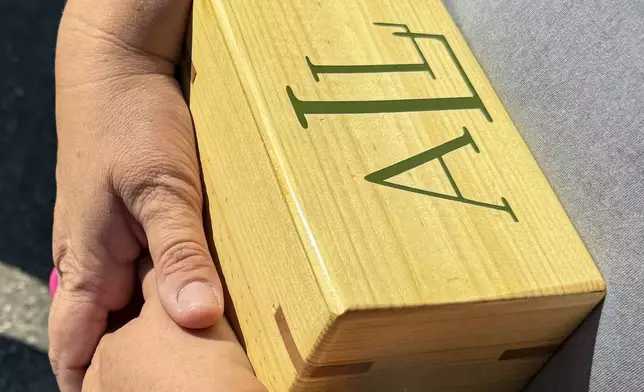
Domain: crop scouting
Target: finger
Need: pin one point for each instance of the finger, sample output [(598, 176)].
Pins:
[(87, 290), (76, 326), (221, 330), (78, 318), (187, 282), (92, 379), (216, 346)]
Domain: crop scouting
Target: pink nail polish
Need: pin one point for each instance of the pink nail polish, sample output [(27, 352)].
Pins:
[(53, 282)]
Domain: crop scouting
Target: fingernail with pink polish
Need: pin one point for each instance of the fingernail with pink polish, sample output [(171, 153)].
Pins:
[(53, 282)]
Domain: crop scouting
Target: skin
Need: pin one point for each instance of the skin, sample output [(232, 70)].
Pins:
[(153, 353), (127, 183)]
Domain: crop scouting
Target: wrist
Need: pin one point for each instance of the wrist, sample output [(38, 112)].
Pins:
[(101, 39)]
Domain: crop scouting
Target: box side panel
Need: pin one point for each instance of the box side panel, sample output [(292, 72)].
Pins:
[(260, 252), (409, 376), (531, 322), (496, 344)]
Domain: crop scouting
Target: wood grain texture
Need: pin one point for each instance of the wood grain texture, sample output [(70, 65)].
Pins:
[(366, 186)]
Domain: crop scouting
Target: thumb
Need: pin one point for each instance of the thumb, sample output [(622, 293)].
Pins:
[(187, 282)]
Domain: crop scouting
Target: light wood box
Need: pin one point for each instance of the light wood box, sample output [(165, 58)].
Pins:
[(379, 222)]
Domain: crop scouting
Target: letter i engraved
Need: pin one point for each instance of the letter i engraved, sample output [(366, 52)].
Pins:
[(303, 108)]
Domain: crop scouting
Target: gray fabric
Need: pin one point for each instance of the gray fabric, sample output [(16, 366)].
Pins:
[(571, 75)]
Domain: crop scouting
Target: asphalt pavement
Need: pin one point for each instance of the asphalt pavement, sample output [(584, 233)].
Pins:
[(27, 188)]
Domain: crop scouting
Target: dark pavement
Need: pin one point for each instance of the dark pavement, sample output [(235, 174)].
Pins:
[(27, 189)]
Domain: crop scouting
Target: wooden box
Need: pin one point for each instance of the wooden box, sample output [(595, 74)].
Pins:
[(380, 223)]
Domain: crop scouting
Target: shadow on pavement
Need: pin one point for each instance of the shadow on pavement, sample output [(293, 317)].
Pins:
[(27, 132), (24, 368), (27, 159)]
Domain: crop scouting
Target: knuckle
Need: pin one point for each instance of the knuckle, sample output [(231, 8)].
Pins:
[(183, 257), (60, 249), (102, 348), (155, 189), (76, 278), (59, 241), (54, 361), (101, 356)]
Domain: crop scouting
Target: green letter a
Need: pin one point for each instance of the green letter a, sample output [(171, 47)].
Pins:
[(381, 176)]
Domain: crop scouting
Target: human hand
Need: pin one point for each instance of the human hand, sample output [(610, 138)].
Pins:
[(153, 353), (127, 176)]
